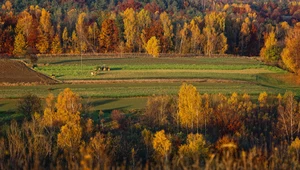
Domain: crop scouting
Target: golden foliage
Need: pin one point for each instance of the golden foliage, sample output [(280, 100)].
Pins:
[(221, 45), (153, 46), (215, 20), (225, 143), (189, 105), (24, 23), (81, 45), (295, 144), (75, 43), (43, 43), (7, 6), (168, 28), (20, 45), (45, 22), (100, 147), (290, 54), (108, 37), (68, 101), (262, 98), (45, 31), (68, 107), (210, 38), (65, 39), (295, 147), (97, 143), (86, 162), (70, 134), (143, 19), (130, 28), (161, 144), (89, 126), (185, 34), (56, 46), (196, 36), (246, 103), (194, 148), (270, 42)]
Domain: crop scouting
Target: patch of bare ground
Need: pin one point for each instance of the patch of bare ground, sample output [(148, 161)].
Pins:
[(14, 72), (153, 81)]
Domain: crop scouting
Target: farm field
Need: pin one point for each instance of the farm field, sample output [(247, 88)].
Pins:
[(236, 68), (131, 80), (17, 72)]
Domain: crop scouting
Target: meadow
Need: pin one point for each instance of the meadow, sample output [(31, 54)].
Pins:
[(236, 68), (131, 80)]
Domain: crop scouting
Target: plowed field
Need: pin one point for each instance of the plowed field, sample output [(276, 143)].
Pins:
[(15, 72)]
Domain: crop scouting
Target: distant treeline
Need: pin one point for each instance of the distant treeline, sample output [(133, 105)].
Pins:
[(198, 27)]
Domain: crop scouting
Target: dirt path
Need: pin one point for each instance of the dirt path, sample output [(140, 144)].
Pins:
[(153, 81)]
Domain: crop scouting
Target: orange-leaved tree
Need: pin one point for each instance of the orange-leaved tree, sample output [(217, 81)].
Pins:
[(290, 54), (108, 38)]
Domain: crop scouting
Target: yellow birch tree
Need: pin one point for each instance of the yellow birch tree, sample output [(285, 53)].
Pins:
[(153, 46), (56, 46), (20, 45), (168, 28), (189, 105), (130, 29), (194, 149), (44, 32), (161, 144), (65, 40)]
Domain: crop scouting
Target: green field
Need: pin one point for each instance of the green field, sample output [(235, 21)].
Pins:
[(220, 75), (236, 68)]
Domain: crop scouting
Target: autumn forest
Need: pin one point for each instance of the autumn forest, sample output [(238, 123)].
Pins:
[(56, 27), (246, 47)]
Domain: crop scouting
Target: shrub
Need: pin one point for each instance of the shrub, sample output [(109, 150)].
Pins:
[(33, 60), (117, 115), (29, 104)]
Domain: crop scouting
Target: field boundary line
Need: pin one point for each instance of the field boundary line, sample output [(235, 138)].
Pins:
[(154, 80)]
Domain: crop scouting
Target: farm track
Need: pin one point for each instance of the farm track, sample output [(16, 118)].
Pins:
[(155, 80)]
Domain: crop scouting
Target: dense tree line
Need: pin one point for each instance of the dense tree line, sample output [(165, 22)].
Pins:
[(191, 130), (30, 27)]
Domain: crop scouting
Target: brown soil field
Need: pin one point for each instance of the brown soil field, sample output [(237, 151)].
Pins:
[(16, 72)]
